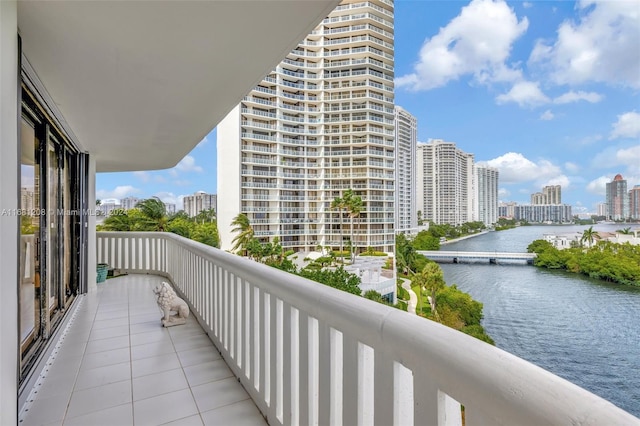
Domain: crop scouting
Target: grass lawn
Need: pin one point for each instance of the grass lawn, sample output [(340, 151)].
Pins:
[(418, 291)]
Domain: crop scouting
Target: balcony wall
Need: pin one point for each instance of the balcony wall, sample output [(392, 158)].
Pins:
[(310, 354)]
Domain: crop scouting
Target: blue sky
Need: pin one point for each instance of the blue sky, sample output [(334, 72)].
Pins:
[(546, 91)]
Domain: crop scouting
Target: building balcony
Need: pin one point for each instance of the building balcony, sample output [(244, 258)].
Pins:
[(303, 352), (116, 364)]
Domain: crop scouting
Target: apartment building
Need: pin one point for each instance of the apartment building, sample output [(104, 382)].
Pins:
[(445, 183), (551, 194), (617, 198), (487, 187), (537, 213), (128, 203), (634, 202), (194, 204), (320, 123), (406, 209)]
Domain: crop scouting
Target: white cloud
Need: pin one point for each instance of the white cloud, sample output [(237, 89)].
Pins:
[(143, 176), (476, 42), (588, 140), (503, 193), (118, 192), (547, 115), (572, 96), (602, 46), (188, 164), (561, 180), (571, 167), (599, 186), (527, 5), (515, 168), (524, 93), (629, 157), (627, 126), (171, 198)]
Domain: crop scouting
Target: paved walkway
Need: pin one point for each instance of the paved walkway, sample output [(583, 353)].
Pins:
[(413, 297)]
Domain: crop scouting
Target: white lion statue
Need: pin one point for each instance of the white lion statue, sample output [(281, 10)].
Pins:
[(169, 302)]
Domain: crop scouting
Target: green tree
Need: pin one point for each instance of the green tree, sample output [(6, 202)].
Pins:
[(206, 216), (353, 206), (206, 233), (119, 220), (425, 241), (181, 226), (405, 255), (245, 233), (431, 279), (338, 203), (338, 278), (589, 236), (154, 214)]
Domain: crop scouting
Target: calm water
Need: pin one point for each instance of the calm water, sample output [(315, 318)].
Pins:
[(575, 327)]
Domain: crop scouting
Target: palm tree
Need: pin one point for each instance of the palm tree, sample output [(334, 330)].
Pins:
[(353, 206), (206, 216), (338, 204), (625, 231), (589, 236), (155, 214), (431, 279), (245, 232)]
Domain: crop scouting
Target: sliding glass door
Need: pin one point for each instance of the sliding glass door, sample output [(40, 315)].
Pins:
[(52, 184)]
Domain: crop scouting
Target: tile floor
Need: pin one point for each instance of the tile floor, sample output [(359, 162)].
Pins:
[(116, 365)]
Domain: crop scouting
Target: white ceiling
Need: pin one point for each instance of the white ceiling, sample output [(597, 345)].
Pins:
[(140, 83)]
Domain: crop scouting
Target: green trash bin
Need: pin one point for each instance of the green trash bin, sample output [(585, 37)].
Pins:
[(103, 269)]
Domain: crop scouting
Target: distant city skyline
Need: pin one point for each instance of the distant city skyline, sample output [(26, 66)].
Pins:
[(534, 106)]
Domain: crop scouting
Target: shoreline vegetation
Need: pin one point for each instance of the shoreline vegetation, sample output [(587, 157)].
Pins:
[(437, 300), (602, 260)]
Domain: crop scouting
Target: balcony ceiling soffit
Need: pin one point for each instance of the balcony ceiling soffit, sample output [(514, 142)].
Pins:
[(141, 83)]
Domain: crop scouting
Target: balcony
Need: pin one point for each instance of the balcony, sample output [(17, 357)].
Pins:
[(115, 361), (305, 353)]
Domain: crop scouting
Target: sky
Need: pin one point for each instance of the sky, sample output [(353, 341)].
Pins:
[(548, 92)]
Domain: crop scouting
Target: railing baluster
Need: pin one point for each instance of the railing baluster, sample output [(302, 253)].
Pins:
[(290, 361), (326, 385), (247, 326), (271, 368), (261, 352), (239, 329), (425, 399), (305, 367), (349, 380), (384, 393)]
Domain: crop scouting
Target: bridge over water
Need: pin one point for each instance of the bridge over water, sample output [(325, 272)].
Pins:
[(479, 256)]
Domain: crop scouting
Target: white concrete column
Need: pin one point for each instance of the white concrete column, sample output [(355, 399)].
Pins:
[(9, 225), (91, 234), (229, 177)]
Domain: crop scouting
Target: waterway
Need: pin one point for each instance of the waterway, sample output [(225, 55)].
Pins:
[(581, 329)]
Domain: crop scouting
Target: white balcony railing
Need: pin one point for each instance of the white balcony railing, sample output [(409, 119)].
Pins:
[(309, 354)]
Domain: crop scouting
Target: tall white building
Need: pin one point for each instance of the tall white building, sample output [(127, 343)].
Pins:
[(320, 123), (446, 187), (487, 198), (194, 204), (129, 202), (406, 145)]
